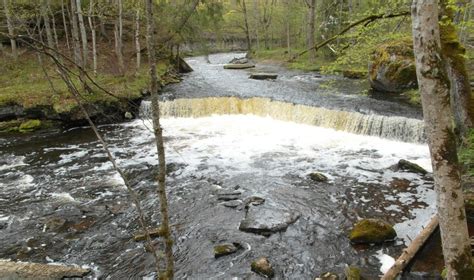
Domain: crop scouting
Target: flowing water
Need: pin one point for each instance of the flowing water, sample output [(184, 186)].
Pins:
[(225, 134)]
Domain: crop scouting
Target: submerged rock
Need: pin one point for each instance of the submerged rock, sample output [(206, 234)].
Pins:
[(156, 232), (263, 267), (23, 270), (254, 201), (265, 221), (232, 203), (372, 231), (411, 167), (225, 249), (328, 276), (263, 76), (226, 195), (239, 66), (318, 177), (352, 273), (392, 67)]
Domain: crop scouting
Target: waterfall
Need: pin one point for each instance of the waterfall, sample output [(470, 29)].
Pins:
[(396, 128)]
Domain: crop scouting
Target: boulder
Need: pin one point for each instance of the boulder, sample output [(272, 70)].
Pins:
[(225, 249), (411, 167), (30, 125), (263, 267), (263, 76), (318, 177), (239, 66), (369, 231), (239, 60), (232, 203), (266, 220), (392, 67), (23, 270)]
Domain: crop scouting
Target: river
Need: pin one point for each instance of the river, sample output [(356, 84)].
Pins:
[(62, 202)]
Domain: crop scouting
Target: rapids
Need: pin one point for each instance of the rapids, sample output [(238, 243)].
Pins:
[(60, 200)]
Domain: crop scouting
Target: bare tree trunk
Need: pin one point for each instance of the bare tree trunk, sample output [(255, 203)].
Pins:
[(454, 53), (137, 40), (93, 33), (435, 97), (66, 31), (118, 32), (76, 43), (11, 30), (55, 33), (158, 131), (47, 26), (82, 28), (247, 31), (312, 18)]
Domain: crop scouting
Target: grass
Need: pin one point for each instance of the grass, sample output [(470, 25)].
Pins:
[(25, 84), (281, 55)]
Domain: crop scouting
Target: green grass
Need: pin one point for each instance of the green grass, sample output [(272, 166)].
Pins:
[(301, 63), (24, 83)]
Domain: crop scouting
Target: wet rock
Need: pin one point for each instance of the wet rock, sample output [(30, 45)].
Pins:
[(318, 177), (392, 67), (354, 74), (128, 116), (55, 224), (13, 270), (352, 273), (254, 201), (29, 126), (226, 195), (400, 184), (328, 276), (263, 267), (411, 167), (239, 60), (263, 76), (239, 66), (369, 231), (225, 249), (232, 203), (265, 220), (155, 232)]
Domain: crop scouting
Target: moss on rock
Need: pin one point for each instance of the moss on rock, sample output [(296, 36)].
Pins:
[(10, 126), (352, 273), (372, 231), (263, 267), (317, 177), (392, 67), (29, 126), (225, 249)]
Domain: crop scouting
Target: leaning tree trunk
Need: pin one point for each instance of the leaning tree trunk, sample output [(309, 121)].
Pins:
[(158, 131), (454, 53), (76, 43), (82, 28), (11, 30), (434, 88)]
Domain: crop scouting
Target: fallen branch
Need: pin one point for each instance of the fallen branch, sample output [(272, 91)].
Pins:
[(365, 21), (408, 253)]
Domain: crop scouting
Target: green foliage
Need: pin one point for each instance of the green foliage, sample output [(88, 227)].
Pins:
[(29, 126), (466, 154)]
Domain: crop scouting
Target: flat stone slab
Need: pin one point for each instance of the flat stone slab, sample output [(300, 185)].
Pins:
[(20, 270), (265, 220), (263, 76), (226, 195), (239, 66)]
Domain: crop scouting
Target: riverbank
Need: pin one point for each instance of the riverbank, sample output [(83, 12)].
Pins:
[(33, 98)]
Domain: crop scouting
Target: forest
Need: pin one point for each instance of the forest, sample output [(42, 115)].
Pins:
[(236, 139)]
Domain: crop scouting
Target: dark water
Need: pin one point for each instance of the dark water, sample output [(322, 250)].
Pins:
[(62, 202)]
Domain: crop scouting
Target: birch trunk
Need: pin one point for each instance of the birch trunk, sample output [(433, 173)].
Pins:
[(66, 31), (47, 26), (158, 131), (93, 34), (82, 28), (76, 43), (118, 32), (137, 40), (53, 20), (11, 30), (435, 97)]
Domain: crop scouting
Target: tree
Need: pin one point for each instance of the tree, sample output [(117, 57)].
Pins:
[(312, 14), (158, 131), (118, 34), (11, 30), (434, 88), (47, 26), (93, 34), (82, 28), (76, 43), (247, 31)]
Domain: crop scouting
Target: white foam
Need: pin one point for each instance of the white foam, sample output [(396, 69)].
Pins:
[(386, 261)]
